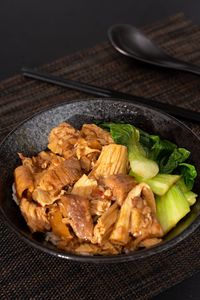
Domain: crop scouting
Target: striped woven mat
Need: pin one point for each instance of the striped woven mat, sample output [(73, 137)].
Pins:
[(27, 273)]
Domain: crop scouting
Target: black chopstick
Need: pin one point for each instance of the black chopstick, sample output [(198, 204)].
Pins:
[(177, 112)]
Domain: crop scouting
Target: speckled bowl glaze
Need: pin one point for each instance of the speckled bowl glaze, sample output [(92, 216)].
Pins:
[(30, 137)]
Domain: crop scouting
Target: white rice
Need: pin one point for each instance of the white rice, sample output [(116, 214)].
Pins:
[(14, 194), (51, 237)]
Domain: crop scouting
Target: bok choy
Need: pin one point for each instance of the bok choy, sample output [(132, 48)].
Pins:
[(171, 208), (142, 167)]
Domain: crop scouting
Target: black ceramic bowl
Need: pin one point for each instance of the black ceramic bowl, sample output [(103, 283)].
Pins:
[(31, 137)]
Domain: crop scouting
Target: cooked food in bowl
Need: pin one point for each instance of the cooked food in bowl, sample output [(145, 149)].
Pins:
[(105, 189)]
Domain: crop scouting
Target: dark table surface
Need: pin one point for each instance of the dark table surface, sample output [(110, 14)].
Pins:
[(36, 32)]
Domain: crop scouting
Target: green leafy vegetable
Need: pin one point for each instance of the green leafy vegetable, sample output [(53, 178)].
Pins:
[(181, 184), (191, 197), (189, 174), (171, 208), (176, 157), (185, 223), (166, 154), (155, 147), (121, 133), (128, 135), (161, 183)]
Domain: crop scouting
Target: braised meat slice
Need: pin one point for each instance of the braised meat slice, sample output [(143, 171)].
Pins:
[(99, 206), (62, 140), (45, 197), (66, 173), (47, 160), (23, 180), (150, 242), (120, 185), (35, 216), (50, 182), (78, 212), (44, 160), (96, 135), (87, 153), (60, 229)]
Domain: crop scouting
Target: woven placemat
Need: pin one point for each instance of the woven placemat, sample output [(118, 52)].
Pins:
[(27, 273)]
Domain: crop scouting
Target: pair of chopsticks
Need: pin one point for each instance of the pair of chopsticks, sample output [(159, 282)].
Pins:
[(177, 112)]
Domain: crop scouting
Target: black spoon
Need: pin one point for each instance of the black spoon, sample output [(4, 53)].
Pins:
[(131, 42)]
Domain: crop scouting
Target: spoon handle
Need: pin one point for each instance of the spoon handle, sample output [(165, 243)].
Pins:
[(178, 112), (182, 66), (191, 69)]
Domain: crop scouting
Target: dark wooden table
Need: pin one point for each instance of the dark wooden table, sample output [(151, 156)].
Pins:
[(35, 32)]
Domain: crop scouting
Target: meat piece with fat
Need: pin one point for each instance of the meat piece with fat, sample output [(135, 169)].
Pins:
[(96, 136), (42, 161), (51, 182), (66, 173), (35, 216), (23, 180), (60, 229), (62, 140), (77, 211), (120, 185)]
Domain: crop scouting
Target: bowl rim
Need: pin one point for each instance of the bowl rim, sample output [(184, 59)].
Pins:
[(119, 258)]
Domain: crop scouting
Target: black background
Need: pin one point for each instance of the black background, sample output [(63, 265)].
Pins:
[(34, 32)]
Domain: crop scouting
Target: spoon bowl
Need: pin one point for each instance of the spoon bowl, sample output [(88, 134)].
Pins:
[(132, 42)]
